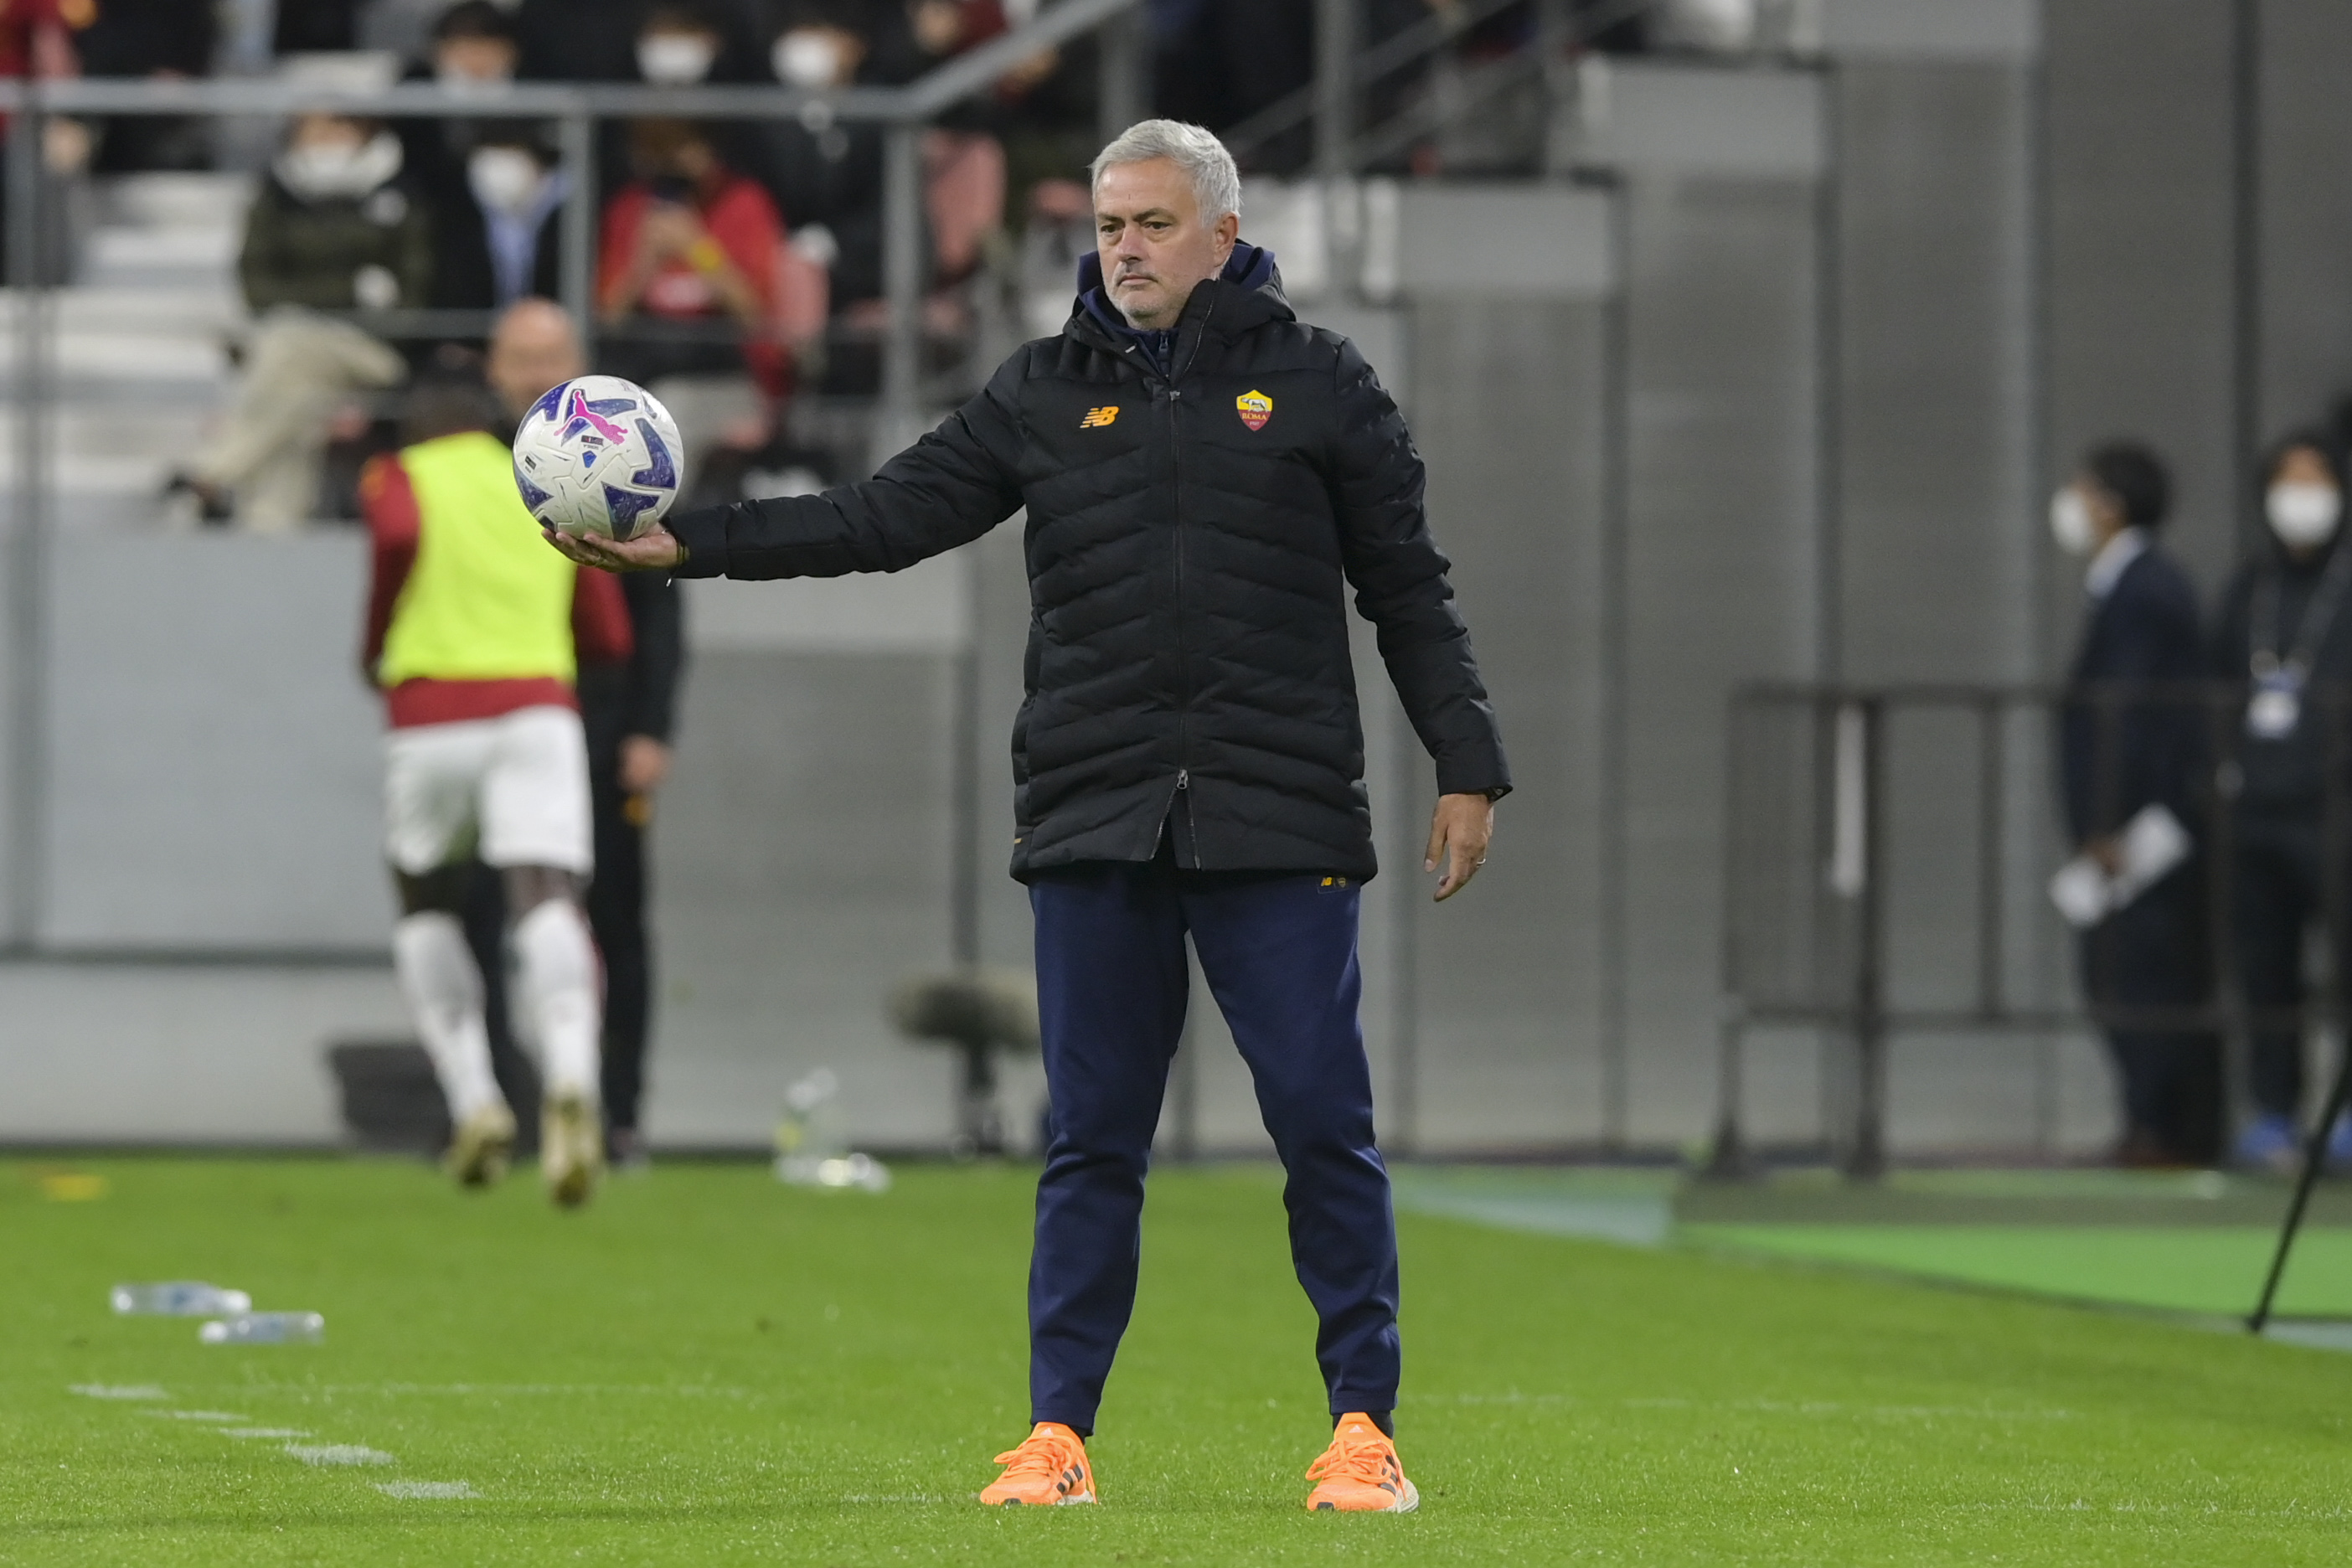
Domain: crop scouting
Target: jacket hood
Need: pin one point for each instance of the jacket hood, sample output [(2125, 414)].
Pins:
[(1250, 269)]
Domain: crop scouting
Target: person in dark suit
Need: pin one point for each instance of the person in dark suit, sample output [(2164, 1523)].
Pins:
[(498, 231), (627, 708), (2126, 745), (473, 53), (2285, 634), (629, 711)]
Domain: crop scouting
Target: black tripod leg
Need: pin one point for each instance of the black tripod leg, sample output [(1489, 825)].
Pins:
[(2314, 1158)]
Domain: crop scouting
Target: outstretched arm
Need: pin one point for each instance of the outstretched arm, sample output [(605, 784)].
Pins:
[(948, 488)]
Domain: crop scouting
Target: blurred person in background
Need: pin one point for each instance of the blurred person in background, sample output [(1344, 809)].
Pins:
[(476, 645), (964, 169), (628, 708), (37, 40), (694, 274), (473, 53), (37, 36), (497, 229), (605, 40), (691, 44), (825, 173), (2122, 753), (1042, 113), (333, 229), (1189, 759), (686, 43), (2285, 631), (158, 40)]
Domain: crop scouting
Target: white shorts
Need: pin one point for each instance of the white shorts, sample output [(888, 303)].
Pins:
[(513, 789)]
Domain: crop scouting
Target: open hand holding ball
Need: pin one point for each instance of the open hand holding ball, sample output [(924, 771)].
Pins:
[(598, 458)]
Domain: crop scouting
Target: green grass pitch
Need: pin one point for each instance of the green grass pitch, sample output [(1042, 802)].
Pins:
[(705, 1367)]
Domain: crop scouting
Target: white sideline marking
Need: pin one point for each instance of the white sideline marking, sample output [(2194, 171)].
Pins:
[(115, 1391), (310, 1391), (448, 1489), (339, 1454), (1775, 1407), (910, 1497), (263, 1432), (193, 1414)]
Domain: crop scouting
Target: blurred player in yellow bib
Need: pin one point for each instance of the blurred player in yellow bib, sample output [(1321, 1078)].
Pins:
[(474, 630)]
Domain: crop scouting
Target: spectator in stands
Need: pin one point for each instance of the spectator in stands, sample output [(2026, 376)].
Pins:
[(2286, 632), (685, 43), (474, 46), (691, 246), (1047, 113), (161, 40), (824, 172), (332, 230), (37, 36), (474, 51), (37, 39), (1043, 112), (2123, 754), (498, 234), (963, 160), (598, 40)]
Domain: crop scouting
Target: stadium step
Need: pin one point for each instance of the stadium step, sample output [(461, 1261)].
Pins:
[(139, 364)]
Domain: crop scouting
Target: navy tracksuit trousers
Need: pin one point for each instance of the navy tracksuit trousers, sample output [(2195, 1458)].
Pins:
[(1279, 953)]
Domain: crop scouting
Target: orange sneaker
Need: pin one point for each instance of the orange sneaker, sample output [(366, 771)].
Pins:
[(1359, 1472), (1049, 1470)]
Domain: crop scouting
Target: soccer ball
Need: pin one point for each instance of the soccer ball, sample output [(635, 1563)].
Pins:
[(598, 455)]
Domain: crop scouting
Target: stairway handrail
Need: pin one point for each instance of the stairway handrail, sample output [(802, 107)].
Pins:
[(1422, 39)]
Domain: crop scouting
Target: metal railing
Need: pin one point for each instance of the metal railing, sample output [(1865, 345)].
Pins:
[(1813, 912), (576, 108), (1348, 142)]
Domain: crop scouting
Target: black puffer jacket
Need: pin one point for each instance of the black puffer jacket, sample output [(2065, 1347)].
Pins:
[(1190, 538)]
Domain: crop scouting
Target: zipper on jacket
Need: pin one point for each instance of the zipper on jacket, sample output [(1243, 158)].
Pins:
[(1180, 835), (1183, 660)]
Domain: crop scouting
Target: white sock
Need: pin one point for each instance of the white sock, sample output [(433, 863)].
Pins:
[(558, 990), (443, 989)]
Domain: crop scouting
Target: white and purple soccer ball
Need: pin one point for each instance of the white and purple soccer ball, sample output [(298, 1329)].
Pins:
[(598, 455)]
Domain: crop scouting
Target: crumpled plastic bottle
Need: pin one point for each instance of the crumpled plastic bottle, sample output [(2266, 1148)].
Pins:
[(266, 1329), (179, 1299)]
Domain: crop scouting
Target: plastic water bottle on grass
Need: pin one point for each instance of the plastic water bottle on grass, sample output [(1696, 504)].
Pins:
[(266, 1329), (809, 1130), (812, 1140), (179, 1299)]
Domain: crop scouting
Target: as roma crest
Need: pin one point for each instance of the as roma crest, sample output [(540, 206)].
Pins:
[(1256, 408)]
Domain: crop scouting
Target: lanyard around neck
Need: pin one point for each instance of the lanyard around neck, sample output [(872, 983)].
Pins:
[(2318, 615)]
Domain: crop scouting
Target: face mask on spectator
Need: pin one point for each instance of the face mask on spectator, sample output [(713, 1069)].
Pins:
[(506, 179), (807, 57), (2069, 522), (2304, 514), (675, 59), (321, 170)]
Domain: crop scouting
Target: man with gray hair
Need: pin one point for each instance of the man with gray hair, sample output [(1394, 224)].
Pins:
[(1204, 478)]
